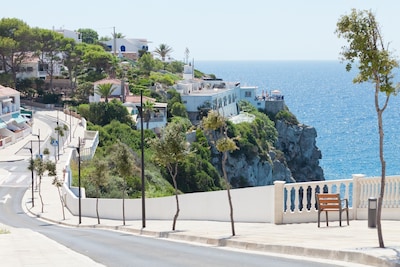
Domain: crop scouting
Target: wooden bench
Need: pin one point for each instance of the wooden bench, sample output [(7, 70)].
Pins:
[(332, 202)]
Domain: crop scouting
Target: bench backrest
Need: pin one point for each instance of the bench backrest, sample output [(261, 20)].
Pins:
[(328, 201)]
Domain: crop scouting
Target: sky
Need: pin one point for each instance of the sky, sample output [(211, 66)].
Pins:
[(215, 29)]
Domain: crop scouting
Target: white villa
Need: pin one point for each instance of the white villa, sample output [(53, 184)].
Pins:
[(13, 126), (216, 94), (128, 48), (158, 117)]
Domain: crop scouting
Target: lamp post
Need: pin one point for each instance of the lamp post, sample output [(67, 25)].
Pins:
[(78, 149), (142, 160), (70, 124), (58, 140), (32, 167), (38, 136)]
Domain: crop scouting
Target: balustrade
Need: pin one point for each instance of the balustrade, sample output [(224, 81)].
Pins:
[(299, 198)]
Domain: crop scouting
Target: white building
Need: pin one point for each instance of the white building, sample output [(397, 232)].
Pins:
[(158, 117), (120, 91), (215, 94), (13, 126), (71, 34), (128, 48)]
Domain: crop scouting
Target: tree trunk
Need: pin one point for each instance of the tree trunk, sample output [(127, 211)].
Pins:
[(228, 186), (123, 203), (97, 210), (173, 174), (62, 202), (383, 182), (40, 192)]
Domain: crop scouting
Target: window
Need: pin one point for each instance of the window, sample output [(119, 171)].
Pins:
[(123, 48), (29, 69), (247, 94)]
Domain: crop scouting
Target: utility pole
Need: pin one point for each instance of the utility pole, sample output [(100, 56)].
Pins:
[(115, 42)]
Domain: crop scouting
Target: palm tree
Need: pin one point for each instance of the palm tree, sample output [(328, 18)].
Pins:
[(105, 90), (148, 108), (163, 51)]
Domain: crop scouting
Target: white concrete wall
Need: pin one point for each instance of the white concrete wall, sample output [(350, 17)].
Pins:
[(252, 204)]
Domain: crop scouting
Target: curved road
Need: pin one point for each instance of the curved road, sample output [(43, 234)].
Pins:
[(113, 248)]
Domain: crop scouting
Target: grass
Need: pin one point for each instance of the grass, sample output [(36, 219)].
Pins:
[(4, 231)]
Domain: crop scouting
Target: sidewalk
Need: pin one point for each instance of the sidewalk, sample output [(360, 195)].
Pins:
[(354, 244)]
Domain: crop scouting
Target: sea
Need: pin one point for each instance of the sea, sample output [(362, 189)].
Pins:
[(322, 94)]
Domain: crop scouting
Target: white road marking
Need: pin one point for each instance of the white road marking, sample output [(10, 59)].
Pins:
[(5, 198), (21, 179)]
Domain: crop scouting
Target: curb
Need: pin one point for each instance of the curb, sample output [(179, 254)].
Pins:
[(336, 255)]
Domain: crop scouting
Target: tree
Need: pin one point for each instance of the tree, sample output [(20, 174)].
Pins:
[(212, 123), (58, 183), (163, 50), (84, 90), (179, 109), (72, 59), (99, 178), (95, 57), (15, 45), (41, 166), (105, 90), (89, 36), (49, 46), (375, 63), (146, 63), (124, 162), (171, 149), (148, 108)]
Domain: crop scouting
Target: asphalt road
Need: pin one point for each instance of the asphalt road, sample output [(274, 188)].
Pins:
[(113, 248)]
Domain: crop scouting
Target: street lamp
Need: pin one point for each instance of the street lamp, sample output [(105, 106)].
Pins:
[(78, 149), (38, 136), (58, 140), (70, 123), (140, 109), (31, 167)]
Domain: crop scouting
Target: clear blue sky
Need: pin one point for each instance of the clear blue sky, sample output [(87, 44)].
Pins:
[(215, 29)]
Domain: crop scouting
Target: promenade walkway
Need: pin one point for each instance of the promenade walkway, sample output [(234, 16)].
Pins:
[(354, 245)]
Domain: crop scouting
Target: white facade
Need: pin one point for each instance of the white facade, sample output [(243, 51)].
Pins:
[(70, 34), (127, 46), (121, 89), (13, 126)]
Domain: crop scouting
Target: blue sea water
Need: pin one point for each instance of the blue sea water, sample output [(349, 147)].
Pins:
[(321, 94)]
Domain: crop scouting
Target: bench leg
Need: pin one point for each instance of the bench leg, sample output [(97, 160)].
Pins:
[(319, 217), (340, 218), (347, 213), (326, 215)]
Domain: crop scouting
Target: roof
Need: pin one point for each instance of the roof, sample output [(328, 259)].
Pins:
[(7, 91), (108, 80), (136, 99)]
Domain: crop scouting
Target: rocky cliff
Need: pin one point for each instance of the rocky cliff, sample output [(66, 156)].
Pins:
[(298, 144), (294, 159)]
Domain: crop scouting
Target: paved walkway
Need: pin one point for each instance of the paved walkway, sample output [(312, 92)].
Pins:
[(355, 244)]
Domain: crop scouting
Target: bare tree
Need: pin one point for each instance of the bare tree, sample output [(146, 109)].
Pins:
[(124, 161), (212, 123), (99, 178), (368, 51), (171, 149)]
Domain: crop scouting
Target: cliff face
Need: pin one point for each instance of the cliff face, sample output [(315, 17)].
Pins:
[(298, 143), (299, 162)]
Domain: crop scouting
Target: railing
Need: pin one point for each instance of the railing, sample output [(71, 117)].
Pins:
[(370, 187), (296, 202)]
